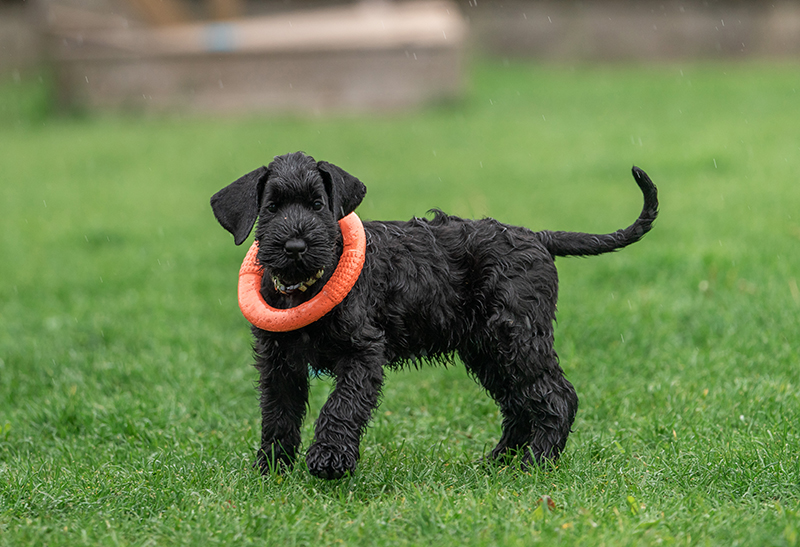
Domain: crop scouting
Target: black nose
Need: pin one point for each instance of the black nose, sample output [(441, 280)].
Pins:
[(295, 247)]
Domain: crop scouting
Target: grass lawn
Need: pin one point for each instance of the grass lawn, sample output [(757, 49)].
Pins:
[(128, 413)]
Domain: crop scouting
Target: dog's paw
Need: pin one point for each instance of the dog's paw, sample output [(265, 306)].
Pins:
[(538, 458), (499, 458), (330, 462), (273, 459)]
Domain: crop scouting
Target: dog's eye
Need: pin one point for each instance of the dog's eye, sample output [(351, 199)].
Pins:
[(317, 205), (272, 207)]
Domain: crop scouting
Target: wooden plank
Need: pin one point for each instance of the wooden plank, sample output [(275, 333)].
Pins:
[(223, 10), (162, 12), (302, 82), (353, 58), (364, 26)]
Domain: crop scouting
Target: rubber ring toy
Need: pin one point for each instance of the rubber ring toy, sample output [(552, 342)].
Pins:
[(265, 317)]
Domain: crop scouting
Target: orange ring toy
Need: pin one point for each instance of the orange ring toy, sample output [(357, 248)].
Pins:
[(265, 317)]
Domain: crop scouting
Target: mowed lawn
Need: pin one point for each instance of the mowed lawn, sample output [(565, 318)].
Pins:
[(128, 412)]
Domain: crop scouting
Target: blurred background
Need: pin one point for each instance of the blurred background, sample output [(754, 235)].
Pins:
[(127, 409), (317, 55)]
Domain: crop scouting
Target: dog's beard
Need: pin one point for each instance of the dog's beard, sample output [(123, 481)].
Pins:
[(282, 269), (288, 271)]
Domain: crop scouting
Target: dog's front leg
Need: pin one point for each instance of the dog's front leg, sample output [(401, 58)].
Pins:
[(343, 418), (284, 396)]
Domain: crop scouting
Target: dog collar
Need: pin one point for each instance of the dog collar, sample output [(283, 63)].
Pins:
[(265, 317), (302, 286)]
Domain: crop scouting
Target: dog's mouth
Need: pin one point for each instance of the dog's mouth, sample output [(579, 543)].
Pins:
[(293, 275), (285, 288)]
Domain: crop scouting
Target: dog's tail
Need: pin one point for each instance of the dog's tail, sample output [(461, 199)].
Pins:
[(580, 244)]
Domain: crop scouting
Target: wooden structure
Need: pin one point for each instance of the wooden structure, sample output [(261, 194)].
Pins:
[(359, 57)]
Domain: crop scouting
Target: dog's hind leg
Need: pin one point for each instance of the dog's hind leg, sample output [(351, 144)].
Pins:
[(554, 404), (344, 416), (517, 418), (537, 403)]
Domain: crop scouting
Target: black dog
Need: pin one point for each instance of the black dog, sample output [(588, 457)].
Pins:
[(429, 289)]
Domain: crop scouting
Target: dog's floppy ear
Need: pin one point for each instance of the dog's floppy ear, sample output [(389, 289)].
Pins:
[(345, 191), (236, 206)]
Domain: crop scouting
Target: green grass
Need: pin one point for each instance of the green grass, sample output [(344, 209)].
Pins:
[(128, 414)]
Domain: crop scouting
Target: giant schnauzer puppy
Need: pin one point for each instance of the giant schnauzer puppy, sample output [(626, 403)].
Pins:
[(430, 289)]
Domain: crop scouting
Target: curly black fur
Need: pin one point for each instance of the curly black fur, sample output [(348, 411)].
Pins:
[(430, 289)]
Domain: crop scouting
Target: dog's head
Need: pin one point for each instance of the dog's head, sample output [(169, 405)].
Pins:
[(298, 202)]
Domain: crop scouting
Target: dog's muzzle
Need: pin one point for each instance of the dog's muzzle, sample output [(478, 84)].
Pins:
[(295, 248)]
